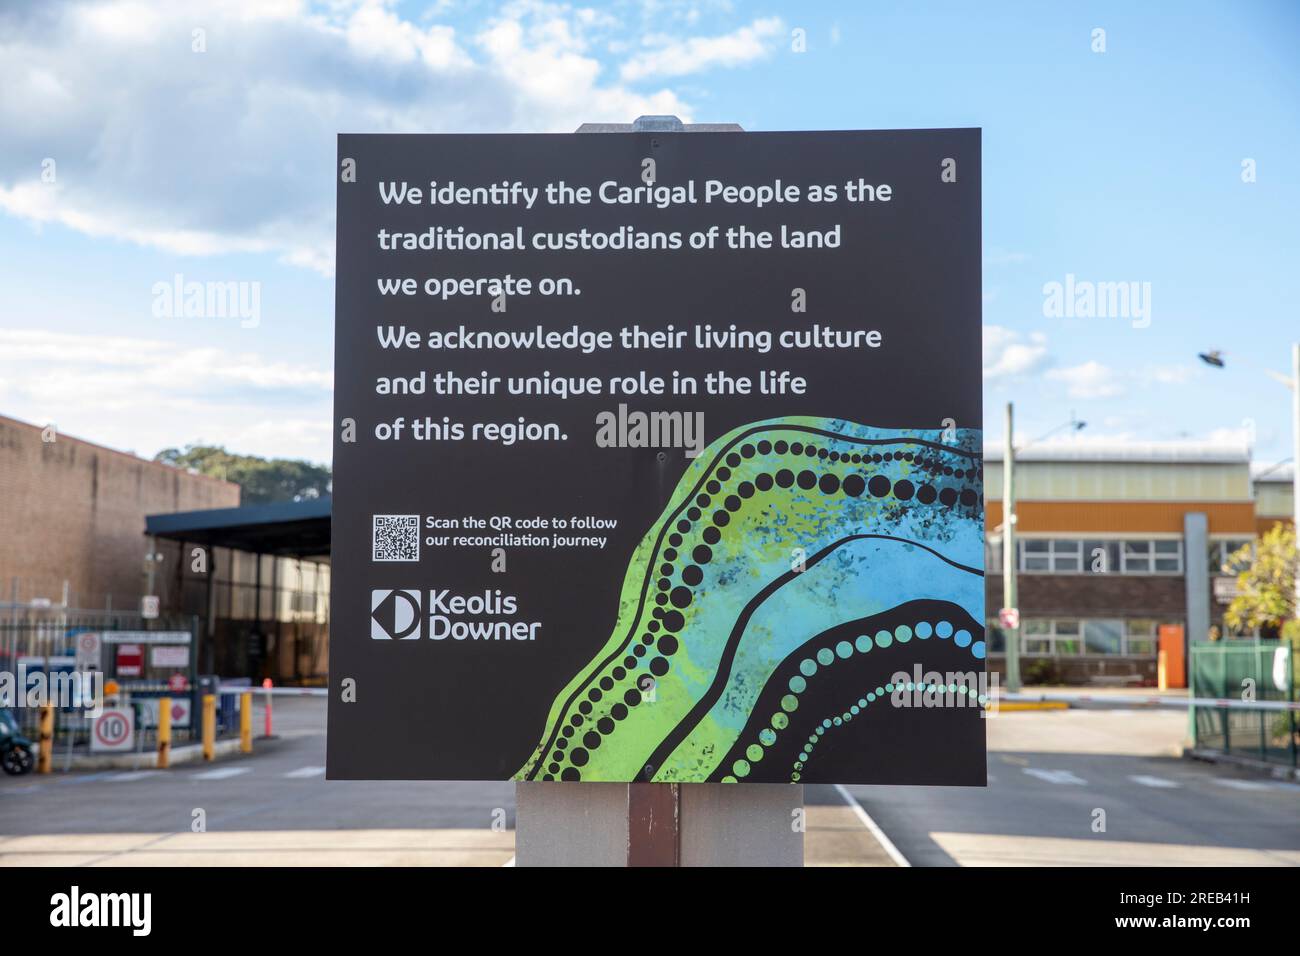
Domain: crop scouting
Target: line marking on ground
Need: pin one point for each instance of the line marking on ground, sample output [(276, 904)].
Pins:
[(1242, 784), (1149, 781), (865, 819), (302, 772), (221, 773), (1056, 776), (126, 775)]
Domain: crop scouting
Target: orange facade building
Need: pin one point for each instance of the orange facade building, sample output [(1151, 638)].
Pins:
[(1120, 547)]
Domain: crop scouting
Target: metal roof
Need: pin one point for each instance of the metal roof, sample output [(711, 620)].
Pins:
[(1154, 452), (290, 528), (1283, 473)]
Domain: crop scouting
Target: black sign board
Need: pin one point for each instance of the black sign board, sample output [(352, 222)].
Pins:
[(658, 457)]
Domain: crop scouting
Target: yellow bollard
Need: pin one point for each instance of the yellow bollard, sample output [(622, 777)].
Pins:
[(246, 722), (209, 726), (45, 756), (164, 732)]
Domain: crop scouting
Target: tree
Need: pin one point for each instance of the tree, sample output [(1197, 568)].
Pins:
[(261, 480), (1266, 587)]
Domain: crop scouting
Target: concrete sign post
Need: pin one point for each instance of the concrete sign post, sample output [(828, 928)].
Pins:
[(657, 460)]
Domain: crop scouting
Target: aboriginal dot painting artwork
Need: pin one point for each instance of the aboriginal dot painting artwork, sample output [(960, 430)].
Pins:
[(813, 585)]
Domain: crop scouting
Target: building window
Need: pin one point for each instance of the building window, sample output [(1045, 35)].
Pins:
[(1101, 557), (1075, 556), (1050, 637), (1035, 556), (1102, 636), (1141, 637), (1221, 552), (1056, 556), (1168, 557), (1073, 637), (1136, 557), (1067, 637)]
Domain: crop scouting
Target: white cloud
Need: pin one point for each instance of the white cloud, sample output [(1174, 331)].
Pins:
[(1171, 374), (141, 393), (232, 150), (681, 57), (1008, 353), (1089, 380)]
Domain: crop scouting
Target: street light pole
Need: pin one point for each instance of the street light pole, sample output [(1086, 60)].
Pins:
[(1009, 550), (1295, 463)]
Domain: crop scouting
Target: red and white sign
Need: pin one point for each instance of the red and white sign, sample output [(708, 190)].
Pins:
[(130, 660), (178, 683), (113, 730), (1009, 617)]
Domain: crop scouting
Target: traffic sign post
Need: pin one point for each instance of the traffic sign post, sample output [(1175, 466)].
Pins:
[(113, 731), (658, 470), (89, 654)]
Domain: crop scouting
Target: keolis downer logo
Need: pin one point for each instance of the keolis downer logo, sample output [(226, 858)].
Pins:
[(394, 615)]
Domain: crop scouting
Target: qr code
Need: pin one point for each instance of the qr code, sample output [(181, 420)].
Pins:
[(396, 538)]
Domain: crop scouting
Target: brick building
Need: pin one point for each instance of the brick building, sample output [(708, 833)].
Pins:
[(1116, 542), (72, 515)]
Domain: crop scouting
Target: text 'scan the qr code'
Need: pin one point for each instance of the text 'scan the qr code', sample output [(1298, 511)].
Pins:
[(396, 538)]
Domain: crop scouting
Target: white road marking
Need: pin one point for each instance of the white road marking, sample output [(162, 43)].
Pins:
[(1056, 776), (1242, 784), (865, 819), (302, 772), (127, 775), (221, 773), (1158, 782)]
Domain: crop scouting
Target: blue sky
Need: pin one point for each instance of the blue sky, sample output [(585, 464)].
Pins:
[(218, 165)]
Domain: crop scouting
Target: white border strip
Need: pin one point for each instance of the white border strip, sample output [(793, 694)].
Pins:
[(865, 819)]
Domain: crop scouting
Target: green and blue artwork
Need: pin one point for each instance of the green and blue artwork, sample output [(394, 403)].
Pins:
[(801, 565)]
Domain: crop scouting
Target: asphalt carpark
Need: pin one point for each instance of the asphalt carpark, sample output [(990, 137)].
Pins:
[(1049, 772)]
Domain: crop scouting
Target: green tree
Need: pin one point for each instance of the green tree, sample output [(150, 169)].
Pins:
[(261, 480), (1266, 585)]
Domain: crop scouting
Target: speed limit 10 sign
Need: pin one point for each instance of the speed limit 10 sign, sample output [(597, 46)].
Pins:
[(113, 730)]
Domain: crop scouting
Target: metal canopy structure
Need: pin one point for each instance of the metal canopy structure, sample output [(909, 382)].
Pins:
[(295, 529)]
